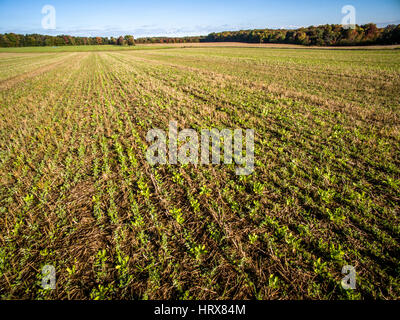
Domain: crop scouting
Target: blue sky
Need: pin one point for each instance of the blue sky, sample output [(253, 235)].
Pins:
[(179, 17)]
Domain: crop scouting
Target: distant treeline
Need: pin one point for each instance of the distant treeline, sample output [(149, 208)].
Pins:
[(325, 35), (170, 39), (36, 40)]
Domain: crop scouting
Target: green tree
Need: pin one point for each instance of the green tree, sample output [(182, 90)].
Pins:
[(130, 40)]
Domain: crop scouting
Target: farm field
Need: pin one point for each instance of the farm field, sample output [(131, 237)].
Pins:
[(91, 48), (151, 46), (77, 192)]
